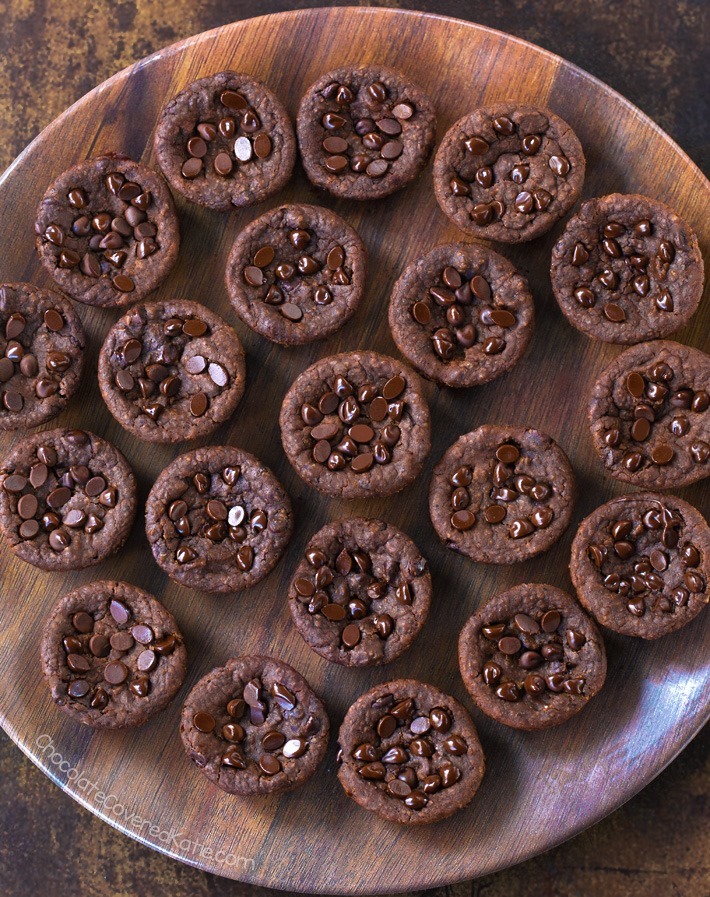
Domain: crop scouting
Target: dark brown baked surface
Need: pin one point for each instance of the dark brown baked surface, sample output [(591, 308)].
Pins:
[(356, 425), (217, 519), (297, 273), (361, 593), (502, 494), (67, 499)]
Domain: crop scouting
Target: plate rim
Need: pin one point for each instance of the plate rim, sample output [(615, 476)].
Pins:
[(699, 720)]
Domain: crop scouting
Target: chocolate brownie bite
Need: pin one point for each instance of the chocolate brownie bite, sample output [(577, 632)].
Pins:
[(508, 172), (364, 132), (649, 415), (42, 344), (409, 753), (67, 499), (225, 141), (641, 564), (217, 519), (627, 269), (255, 726), (361, 593), (531, 658), (461, 314), (171, 371), (296, 274), (107, 231), (356, 425), (502, 494), (112, 655)]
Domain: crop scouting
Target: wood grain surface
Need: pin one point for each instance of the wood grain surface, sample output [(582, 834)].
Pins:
[(540, 788)]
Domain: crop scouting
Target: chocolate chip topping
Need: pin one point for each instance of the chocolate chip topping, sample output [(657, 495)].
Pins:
[(112, 655), (410, 753), (255, 726), (508, 172), (296, 273), (627, 269), (226, 141), (649, 415), (170, 371), (42, 345), (461, 314), (355, 423), (364, 132), (217, 520), (502, 495), (107, 231), (362, 592), (531, 658), (640, 564), (67, 499)]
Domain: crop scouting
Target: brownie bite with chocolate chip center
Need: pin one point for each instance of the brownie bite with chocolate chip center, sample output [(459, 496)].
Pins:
[(226, 141), (296, 274), (627, 269), (508, 172), (461, 314), (107, 231), (255, 726), (361, 593), (641, 563), (171, 371), (531, 658), (112, 655), (356, 425), (364, 132), (409, 753)]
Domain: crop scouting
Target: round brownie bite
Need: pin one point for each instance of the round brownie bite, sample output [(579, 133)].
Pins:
[(356, 425), (42, 344), (112, 655), (508, 172), (364, 132), (255, 726), (361, 593), (409, 753), (296, 274), (171, 371), (627, 269), (461, 314), (641, 564), (531, 658), (502, 494), (107, 231), (217, 519), (649, 415), (67, 499), (225, 141)]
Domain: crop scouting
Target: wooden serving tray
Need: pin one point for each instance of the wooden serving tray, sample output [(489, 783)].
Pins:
[(539, 788)]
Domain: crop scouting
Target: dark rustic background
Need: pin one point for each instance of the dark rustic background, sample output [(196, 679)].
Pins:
[(652, 52)]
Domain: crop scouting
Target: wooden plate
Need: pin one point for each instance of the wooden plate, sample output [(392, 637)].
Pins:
[(539, 788)]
